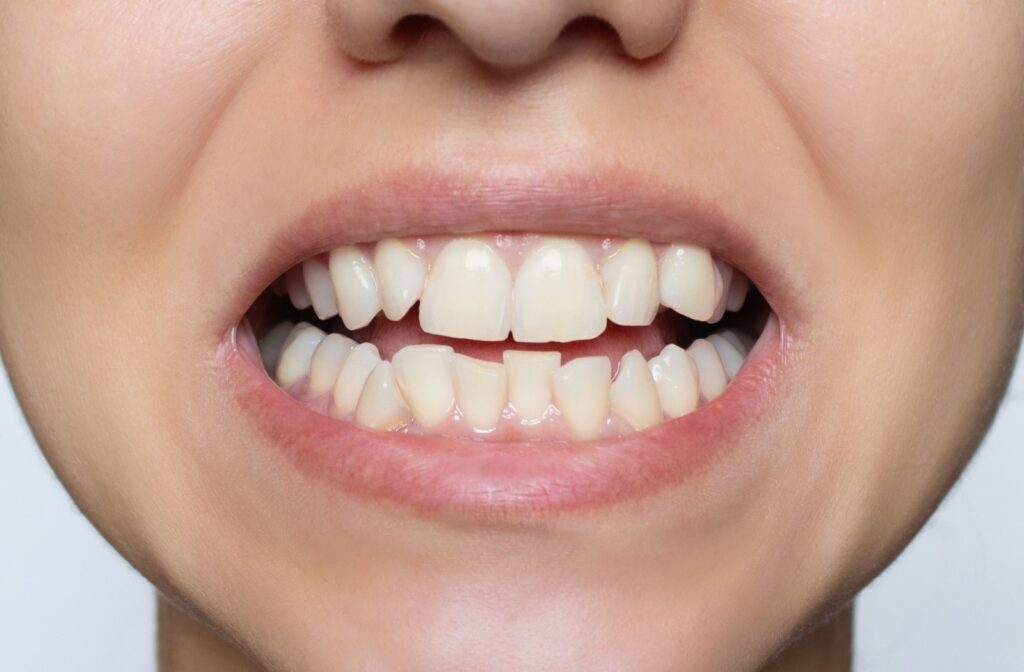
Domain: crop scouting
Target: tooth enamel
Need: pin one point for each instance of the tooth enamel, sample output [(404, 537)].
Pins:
[(297, 354), (735, 340), (737, 292), (355, 286), (272, 343), (482, 391), (381, 405), (328, 359), (676, 377), (424, 374), (687, 281), (358, 366), (401, 274), (634, 396), (296, 286), (732, 358), (320, 287), (723, 280), (713, 379), (581, 389), (468, 293), (558, 295), (529, 382), (631, 284)]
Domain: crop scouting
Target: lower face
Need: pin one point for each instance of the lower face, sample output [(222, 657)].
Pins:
[(654, 373)]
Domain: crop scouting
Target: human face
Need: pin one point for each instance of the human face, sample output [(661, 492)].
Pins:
[(162, 164)]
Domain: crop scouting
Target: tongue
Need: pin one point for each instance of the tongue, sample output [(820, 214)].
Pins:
[(390, 337)]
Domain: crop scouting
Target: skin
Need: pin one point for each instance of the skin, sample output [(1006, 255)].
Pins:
[(874, 149)]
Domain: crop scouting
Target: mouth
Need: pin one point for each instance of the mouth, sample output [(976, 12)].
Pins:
[(398, 352)]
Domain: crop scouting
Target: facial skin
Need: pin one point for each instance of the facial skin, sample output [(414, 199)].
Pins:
[(874, 151)]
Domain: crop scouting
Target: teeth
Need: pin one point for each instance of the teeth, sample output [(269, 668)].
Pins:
[(381, 405), (723, 280), (687, 282), (358, 366), (529, 382), (737, 291), (401, 274), (558, 295), (424, 374), (296, 287), (676, 376), (731, 356), (631, 284), (581, 389), (468, 293), (320, 287), (328, 359), (297, 354), (735, 339), (273, 342), (634, 396), (713, 379), (482, 391), (355, 286)]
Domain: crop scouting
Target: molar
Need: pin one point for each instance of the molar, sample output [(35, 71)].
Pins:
[(297, 354), (468, 293), (581, 392), (713, 378), (295, 285), (732, 357)]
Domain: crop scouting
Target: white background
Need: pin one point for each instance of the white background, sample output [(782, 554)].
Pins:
[(954, 601)]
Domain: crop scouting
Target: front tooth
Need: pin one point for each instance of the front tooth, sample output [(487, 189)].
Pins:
[(687, 280), (482, 391), (558, 295), (634, 396), (358, 366), (381, 405), (713, 378), (529, 382), (320, 287), (468, 293), (631, 284), (297, 354), (424, 374), (677, 379), (581, 390), (296, 287), (328, 359), (355, 285), (732, 358), (723, 281), (737, 291), (401, 274)]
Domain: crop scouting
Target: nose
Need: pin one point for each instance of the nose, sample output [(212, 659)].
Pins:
[(503, 33)]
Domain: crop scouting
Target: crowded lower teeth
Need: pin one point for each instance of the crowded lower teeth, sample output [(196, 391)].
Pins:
[(534, 289)]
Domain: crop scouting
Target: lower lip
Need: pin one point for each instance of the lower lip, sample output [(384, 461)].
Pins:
[(437, 475)]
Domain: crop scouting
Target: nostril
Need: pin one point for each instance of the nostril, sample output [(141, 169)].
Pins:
[(413, 28), (595, 30)]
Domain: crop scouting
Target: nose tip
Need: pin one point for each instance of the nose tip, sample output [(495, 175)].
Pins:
[(503, 33)]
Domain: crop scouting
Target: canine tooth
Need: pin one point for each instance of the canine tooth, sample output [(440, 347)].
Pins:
[(687, 281), (723, 280), (713, 378), (676, 377), (735, 340), (737, 292), (634, 395), (381, 405), (297, 354), (631, 284), (581, 390), (296, 286), (272, 343), (358, 366), (482, 391), (468, 293), (328, 359), (401, 274), (558, 295), (320, 288), (732, 358), (529, 381), (424, 374), (355, 285)]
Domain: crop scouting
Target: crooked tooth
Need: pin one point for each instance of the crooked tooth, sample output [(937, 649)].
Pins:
[(328, 359), (558, 295), (355, 285), (424, 374), (529, 382), (401, 274), (358, 366), (581, 391), (297, 354), (320, 287), (381, 405), (737, 292), (272, 343), (295, 285), (713, 378), (630, 278), (634, 396), (723, 281), (677, 379), (482, 391), (731, 356), (468, 293), (687, 281)]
